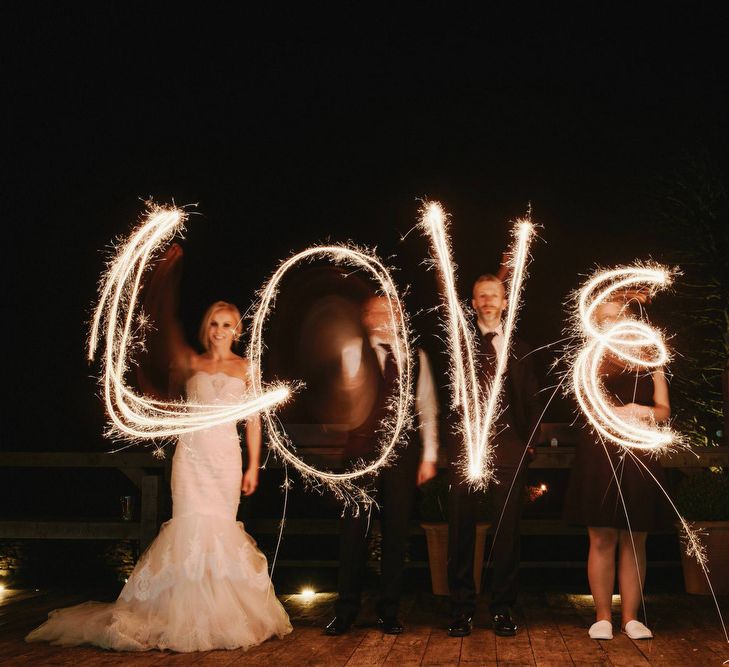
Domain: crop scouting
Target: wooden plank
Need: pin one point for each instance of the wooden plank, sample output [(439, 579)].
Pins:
[(619, 650), (220, 658), (337, 650), (515, 650), (308, 620), (697, 457), (581, 648), (553, 631), (670, 648), (91, 656), (409, 647), (19, 619), (124, 459), (135, 475), (550, 458), (547, 644), (564, 432), (704, 629), (479, 648), (671, 630), (373, 649), (178, 659), (294, 649), (70, 530), (58, 655), (546, 458), (332, 527), (442, 649), (41, 654)]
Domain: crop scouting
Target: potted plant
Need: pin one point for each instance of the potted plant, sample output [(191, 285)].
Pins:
[(703, 500), (434, 521)]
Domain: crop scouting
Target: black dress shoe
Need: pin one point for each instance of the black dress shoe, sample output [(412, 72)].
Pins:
[(337, 626), (390, 625), (504, 625), (460, 626)]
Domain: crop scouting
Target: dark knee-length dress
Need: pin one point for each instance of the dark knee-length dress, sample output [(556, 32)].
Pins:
[(592, 497)]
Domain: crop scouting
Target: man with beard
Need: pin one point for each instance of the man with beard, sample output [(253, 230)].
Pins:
[(511, 437)]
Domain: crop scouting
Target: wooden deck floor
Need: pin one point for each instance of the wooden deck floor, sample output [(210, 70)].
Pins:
[(553, 632)]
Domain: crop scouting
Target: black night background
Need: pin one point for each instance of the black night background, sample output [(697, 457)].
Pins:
[(288, 128)]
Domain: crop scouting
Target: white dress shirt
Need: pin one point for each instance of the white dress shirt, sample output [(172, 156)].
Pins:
[(426, 399)]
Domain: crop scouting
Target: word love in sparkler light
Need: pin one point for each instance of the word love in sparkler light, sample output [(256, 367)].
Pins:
[(116, 322), (479, 406), (638, 345), (135, 416)]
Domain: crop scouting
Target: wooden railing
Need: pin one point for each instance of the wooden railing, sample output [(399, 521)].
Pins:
[(149, 474), (547, 458), (151, 477)]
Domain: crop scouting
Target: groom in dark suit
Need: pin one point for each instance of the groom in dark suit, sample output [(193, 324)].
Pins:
[(512, 434), (394, 485)]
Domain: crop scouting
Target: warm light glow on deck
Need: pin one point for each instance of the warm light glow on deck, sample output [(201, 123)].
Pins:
[(307, 594)]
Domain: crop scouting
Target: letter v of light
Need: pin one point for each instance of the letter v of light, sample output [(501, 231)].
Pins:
[(479, 406)]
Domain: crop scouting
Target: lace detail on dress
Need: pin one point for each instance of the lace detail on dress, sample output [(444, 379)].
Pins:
[(227, 556), (202, 584)]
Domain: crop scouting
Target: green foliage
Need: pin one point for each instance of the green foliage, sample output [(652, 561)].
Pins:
[(704, 496), (691, 217)]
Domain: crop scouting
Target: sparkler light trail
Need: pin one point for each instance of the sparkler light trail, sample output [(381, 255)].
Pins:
[(634, 342), (133, 416), (479, 406), (642, 348), (343, 485)]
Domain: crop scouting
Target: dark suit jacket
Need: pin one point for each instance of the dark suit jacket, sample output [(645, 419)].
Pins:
[(524, 403)]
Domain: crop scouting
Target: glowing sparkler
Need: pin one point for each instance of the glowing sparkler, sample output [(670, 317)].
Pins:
[(342, 484), (641, 348), (479, 406), (536, 491), (134, 416), (636, 343)]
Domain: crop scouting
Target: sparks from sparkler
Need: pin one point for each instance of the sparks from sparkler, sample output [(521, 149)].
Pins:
[(138, 417), (343, 485), (627, 339), (624, 339), (479, 406)]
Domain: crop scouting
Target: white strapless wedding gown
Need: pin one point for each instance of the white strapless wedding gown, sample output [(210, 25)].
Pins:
[(202, 584)]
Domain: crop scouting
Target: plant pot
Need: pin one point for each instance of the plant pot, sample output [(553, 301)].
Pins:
[(436, 535), (715, 537)]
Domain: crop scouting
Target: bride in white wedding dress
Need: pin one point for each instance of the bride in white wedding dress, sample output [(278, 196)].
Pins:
[(202, 584)]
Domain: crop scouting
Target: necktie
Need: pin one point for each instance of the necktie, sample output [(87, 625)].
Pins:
[(488, 356), (389, 372)]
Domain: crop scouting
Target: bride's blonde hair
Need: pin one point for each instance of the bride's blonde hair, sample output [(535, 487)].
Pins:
[(203, 335)]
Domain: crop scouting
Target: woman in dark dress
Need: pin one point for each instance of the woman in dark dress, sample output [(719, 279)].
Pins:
[(601, 474)]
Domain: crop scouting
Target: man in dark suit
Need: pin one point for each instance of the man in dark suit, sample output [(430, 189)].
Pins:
[(394, 485), (511, 438)]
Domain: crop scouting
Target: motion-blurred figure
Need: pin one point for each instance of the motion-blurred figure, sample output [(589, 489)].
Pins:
[(395, 484)]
